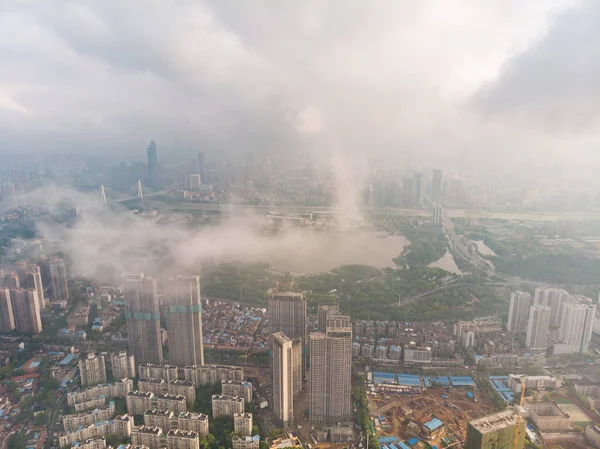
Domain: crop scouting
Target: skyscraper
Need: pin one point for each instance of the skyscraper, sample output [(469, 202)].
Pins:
[(331, 372), (7, 319), (438, 211), (436, 183), (419, 188), (8, 196), (26, 311), (143, 318), (10, 279), (554, 298), (537, 327), (201, 166), (30, 277), (185, 323), (323, 312), (58, 274), (92, 370), (297, 365), (576, 327), (153, 167), (283, 384), (287, 314), (518, 311)]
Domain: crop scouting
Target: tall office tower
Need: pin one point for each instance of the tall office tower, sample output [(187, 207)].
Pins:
[(7, 319), (26, 311), (10, 280), (331, 373), (143, 318), (419, 188), (123, 365), (153, 168), (30, 277), (287, 314), (58, 274), (185, 323), (8, 196), (518, 311), (283, 383), (537, 327), (495, 431), (201, 166), (438, 212), (323, 312), (577, 324), (92, 370), (436, 183), (554, 298)]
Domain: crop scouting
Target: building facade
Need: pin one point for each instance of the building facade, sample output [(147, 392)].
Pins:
[(495, 431), (92, 370), (226, 405), (26, 311), (185, 322), (58, 275), (211, 374), (242, 423), (143, 318), (518, 311), (123, 365), (537, 327), (239, 388), (283, 378), (198, 422)]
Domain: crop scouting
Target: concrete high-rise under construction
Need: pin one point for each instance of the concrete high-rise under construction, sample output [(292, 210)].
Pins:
[(143, 318), (283, 378), (496, 431), (184, 323), (331, 372), (287, 314)]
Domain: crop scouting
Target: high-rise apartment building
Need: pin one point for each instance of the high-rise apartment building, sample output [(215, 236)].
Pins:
[(197, 422), (436, 183), (151, 437), (287, 314), (182, 439), (283, 379), (297, 365), (331, 372), (10, 279), (554, 298), (185, 322), (537, 327), (8, 197), (143, 318), (577, 324), (242, 424), (323, 312), (518, 311), (211, 374), (58, 275), (241, 388), (495, 432), (92, 370), (201, 166), (7, 319), (26, 311), (438, 212), (30, 277), (419, 188), (123, 365)]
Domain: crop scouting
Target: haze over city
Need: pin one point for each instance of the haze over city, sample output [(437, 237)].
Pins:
[(299, 225)]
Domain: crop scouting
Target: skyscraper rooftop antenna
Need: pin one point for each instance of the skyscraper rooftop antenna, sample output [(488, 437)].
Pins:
[(103, 195), (140, 192)]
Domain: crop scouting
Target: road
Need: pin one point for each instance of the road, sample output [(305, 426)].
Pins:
[(55, 415)]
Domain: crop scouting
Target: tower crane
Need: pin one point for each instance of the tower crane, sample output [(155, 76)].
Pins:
[(517, 430)]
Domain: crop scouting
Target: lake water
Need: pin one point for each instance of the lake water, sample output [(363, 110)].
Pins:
[(483, 249), (446, 263), (323, 251)]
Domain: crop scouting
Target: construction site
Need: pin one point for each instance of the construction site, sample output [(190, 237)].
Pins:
[(412, 412)]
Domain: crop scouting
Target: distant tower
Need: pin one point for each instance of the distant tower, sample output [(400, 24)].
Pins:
[(185, 323), (436, 183), (26, 310), (153, 167), (30, 277), (143, 318), (102, 195), (438, 212), (140, 192), (7, 319), (201, 166), (8, 196)]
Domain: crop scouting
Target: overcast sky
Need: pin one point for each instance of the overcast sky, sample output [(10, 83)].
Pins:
[(509, 82)]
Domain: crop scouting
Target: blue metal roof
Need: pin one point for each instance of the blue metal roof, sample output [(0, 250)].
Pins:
[(434, 424), (413, 441)]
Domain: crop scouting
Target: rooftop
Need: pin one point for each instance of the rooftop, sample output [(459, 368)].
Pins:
[(495, 422)]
